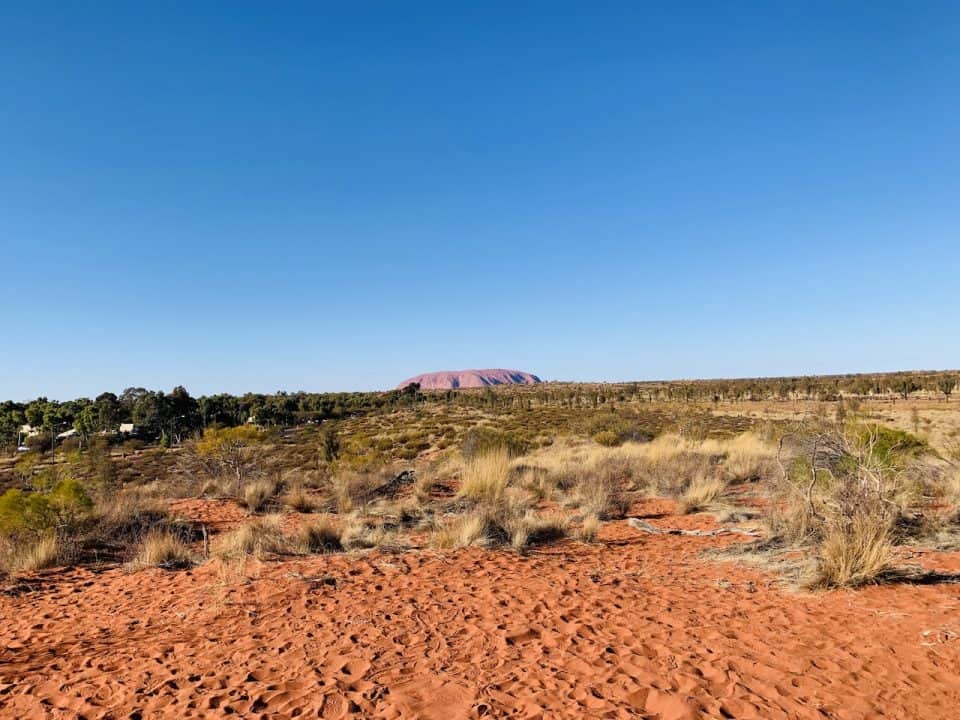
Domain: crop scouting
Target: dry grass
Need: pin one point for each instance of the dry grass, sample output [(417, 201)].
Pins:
[(531, 530), (320, 536), (163, 549), (600, 493), (702, 494), (257, 538), (854, 552), (353, 491), (358, 535), (29, 555), (509, 521), (258, 495), (484, 477), (299, 501), (589, 528)]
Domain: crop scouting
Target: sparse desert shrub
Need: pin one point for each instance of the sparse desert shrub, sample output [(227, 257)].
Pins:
[(607, 438), (320, 536), (484, 477), (163, 549), (257, 538), (845, 497), (38, 512), (257, 495), (232, 452), (614, 430)]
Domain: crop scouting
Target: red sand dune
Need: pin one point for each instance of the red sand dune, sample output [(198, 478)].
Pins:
[(633, 626), (447, 379)]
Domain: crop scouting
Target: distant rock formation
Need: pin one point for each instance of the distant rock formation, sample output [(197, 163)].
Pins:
[(448, 379)]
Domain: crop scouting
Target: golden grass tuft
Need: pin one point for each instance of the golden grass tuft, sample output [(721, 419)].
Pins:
[(599, 493), (258, 494), (510, 521), (355, 490), (854, 552), (358, 535), (702, 493), (163, 549), (484, 477), (257, 538), (29, 555)]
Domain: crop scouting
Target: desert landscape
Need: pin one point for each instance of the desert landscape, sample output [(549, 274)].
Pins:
[(465, 360), (745, 549)]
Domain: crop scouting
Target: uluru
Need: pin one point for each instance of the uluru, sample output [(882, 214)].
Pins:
[(448, 379)]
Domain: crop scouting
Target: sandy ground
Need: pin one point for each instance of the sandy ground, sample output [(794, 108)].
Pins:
[(633, 626)]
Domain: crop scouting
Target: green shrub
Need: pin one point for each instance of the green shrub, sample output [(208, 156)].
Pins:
[(25, 512), (69, 501), (37, 512), (485, 440)]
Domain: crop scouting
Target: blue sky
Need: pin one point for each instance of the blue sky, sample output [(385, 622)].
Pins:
[(335, 196)]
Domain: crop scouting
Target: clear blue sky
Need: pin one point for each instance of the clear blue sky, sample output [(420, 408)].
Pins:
[(333, 196)]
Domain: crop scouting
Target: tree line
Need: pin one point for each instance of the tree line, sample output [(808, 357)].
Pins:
[(171, 417)]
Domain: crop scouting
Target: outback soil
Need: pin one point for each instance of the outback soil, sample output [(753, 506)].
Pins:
[(632, 626)]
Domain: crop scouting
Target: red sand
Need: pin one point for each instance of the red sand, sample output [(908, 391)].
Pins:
[(634, 626)]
